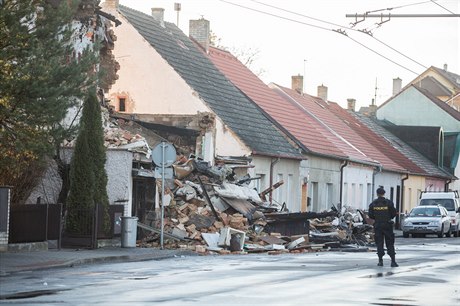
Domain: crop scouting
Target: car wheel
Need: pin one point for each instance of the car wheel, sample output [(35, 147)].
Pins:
[(441, 233), (405, 235), (457, 233)]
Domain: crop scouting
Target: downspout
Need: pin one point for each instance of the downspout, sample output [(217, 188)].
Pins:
[(398, 217), (345, 163), (446, 185), (378, 170), (272, 164)]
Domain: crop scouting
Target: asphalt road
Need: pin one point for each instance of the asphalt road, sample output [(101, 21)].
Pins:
[(429, 274)]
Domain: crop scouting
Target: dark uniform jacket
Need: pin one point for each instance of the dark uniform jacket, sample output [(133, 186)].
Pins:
[(382, 210)]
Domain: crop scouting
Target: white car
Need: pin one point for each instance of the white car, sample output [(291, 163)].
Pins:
[(451, 202), (427, 219)]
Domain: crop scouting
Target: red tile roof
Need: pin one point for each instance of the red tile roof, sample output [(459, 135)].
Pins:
[(389, 156), (336, 118), (313, 135), (321, 127)]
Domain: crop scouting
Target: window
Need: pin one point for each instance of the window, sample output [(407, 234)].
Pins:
[(329, 195), (370, 194), (121, 104), (289, 190), (279, 191), (260, 183), (314, 197)]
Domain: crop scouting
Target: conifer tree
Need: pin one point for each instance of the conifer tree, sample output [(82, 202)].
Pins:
[(88, 178), (41, 77)]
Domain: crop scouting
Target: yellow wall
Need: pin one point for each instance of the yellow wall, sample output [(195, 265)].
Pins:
[(413, 186)]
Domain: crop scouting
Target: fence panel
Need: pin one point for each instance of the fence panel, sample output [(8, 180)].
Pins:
[(34, 223)]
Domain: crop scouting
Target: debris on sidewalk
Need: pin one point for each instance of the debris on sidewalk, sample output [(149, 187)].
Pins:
[(211, 210)]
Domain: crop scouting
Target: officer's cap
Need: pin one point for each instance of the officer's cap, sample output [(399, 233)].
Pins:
[(380, 190)]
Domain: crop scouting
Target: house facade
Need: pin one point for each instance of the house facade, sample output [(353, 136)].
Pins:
[(442, 83), (423, 110), (165, 73)]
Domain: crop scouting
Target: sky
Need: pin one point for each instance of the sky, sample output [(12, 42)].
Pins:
[(314, 38)]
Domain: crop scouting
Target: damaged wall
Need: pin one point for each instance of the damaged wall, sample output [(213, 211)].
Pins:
[(119, 186), (227, 143), (150, 85)]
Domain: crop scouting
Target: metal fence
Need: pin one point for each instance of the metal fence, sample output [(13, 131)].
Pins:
[(34, 223), (75, 227)]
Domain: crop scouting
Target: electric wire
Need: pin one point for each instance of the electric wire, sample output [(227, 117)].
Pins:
[(322, 28), (363, 45), (348, 28), (442, 7), (401, 6)]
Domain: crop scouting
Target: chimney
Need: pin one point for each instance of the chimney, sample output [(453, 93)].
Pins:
[(199, 31), (351, 104), (297, 83), (158, 14), (396, 86), (445, 67), (372, 110), (111, 4), (322, 92)]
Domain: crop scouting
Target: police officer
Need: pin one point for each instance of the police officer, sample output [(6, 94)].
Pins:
[(382, 210)]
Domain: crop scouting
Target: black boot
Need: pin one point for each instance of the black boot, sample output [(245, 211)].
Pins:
[(380, 264), (393, 262)]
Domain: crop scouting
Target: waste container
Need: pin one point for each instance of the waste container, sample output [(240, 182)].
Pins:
[(128, 232)]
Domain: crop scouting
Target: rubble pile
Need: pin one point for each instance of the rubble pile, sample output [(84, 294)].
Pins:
[(209, 209), (114, 134), (350, 227)]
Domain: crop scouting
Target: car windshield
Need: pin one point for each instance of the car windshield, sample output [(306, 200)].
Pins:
[(447, 203), (425, 212)]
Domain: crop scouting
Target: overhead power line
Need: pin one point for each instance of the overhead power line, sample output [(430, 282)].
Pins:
[(351, 29), (389, 15), (401, 6), (340, 31), (442, 7)]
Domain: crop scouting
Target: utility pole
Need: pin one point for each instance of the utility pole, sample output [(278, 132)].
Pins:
[(374, 102), (304, 76)]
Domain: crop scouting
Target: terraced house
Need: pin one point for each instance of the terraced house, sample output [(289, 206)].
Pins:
[(165, 78)]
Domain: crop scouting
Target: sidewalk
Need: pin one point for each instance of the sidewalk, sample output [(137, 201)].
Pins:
[(11, 262)]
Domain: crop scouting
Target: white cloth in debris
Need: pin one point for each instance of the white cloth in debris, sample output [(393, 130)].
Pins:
[(233, 191)]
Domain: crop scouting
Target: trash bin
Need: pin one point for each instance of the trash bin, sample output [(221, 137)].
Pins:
[(128, 232)]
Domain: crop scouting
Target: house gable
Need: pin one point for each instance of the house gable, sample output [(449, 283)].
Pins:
[(416, 107), (236, 111)]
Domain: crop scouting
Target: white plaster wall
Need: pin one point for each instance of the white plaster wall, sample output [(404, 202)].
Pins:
[(119, 185), (356, 179), (151, 86), (119, 173), (324, 172), (227, 143), (146, 79), (283, 168), (411, 107), (388, 180)]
